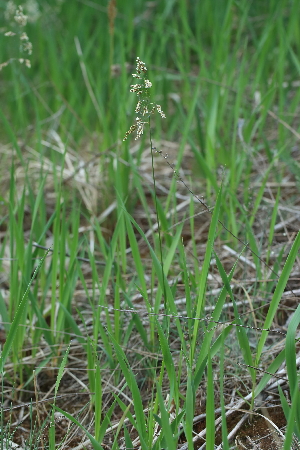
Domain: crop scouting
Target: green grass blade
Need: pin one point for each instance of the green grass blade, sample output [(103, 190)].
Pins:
[(98, 401), (169, 441), (282, 281), (168, 360), (240, 331), (271, 369), (136, 397), (291, 365), (210, 407), (291, 428), (204, 272), (18, 317), (290, 351), (95, 444), (215, 317), (222, 399)]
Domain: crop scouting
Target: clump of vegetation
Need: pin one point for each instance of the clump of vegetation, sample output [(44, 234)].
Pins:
[(149, 291)]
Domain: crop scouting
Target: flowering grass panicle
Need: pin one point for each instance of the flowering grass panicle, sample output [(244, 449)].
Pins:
[(18, 21), (144, 107)]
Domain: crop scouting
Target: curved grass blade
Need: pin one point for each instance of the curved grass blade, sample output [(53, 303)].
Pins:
[(137, 400), (283, 279), (166, 432), (18, 317), (204, 272), (94, 443)]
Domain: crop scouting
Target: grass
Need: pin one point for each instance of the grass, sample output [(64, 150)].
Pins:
[(149, 288)]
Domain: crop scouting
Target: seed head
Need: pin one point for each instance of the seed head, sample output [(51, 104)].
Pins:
[(144, 107), (140, 66), (17, 20), (20, 17), (159, 110)]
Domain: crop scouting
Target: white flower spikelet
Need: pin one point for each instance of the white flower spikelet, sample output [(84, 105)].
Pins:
[(20, 17), (17, 20), (144, 107)]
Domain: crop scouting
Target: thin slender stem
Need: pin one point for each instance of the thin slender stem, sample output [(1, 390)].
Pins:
[(157, 217)]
